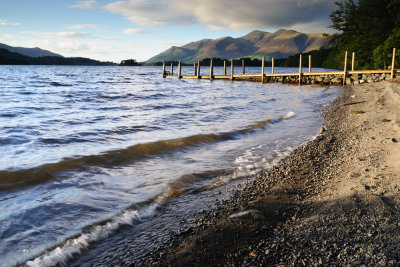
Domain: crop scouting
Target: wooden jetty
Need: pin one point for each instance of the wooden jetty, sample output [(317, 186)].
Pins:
[(327, 78)]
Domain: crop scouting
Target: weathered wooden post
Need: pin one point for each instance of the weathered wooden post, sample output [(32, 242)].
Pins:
[(300, 68), (353, 60), (211, 69), (273, 65), (262, 70), (224, 67), (232, 69), (179, 70), (172, 69), (392, 73), (198, 69), (163, 69), (345, 69), (309, 64), (244, 69), (195, 69)]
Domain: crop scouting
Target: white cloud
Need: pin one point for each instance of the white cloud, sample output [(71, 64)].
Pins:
[(132, 31), (61, 34), (6, 23), (88, 4), (6, 37), (81, 26), (223, 14)]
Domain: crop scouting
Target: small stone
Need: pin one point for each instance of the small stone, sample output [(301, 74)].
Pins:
[(322, 130), (267, 252), (394, 140)]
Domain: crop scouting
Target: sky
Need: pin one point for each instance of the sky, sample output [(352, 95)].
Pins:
[(111, 30)]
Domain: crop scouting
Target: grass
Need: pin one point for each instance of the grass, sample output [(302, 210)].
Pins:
[(357, 112)]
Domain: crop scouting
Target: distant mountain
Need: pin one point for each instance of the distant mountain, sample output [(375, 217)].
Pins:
[(256, 44), (30, 52)]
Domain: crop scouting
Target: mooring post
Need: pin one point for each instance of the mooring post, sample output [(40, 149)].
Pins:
[(262, 70), (232, 69), (172, 69), (163, 69), (211, 70), (309, 64), (273, 65), (244, 69), (345, 68), (392, 73), (300, 68), (224, 67), (179, 70), (195, 69), (198, 69), (353, 60)]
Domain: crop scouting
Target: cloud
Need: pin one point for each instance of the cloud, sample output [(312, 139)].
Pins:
[(88, 4), (81, 26), (223, 14), (61, 34), (6, 37), (132, 31), (6, 23)]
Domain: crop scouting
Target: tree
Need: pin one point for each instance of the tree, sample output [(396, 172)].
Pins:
[(129, 62)]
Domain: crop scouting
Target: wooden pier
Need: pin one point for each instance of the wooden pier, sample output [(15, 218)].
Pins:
[(327, 78)]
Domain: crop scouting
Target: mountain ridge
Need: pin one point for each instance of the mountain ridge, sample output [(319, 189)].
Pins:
[(30, 52), (256, 44)]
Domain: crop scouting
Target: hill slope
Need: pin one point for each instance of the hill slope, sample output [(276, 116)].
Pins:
[(30, 52), (280, 44)]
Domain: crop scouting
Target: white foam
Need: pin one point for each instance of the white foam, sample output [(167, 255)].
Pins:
[(291, 114)]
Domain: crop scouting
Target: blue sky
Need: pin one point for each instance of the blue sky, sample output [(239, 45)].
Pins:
[(116, 30)]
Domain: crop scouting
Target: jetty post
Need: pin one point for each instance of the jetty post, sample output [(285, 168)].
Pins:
[(172, 69), (345, 68), (232, 69), (244, 69), (211, 70), (198, 69), (353, 60), (224, 67), (262, 69), (179, 70), (273, 65), (195, 69), (309, 64), (163, 69), (393, 64), (300, 68)]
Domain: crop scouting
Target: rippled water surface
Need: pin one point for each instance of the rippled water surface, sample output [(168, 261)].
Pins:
[(87, 150)]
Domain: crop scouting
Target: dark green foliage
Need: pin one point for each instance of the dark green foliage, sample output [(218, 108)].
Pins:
[(129, 62), (368, 27), (318, 59), (10, 58)]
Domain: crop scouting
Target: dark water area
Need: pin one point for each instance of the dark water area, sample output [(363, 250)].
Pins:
[(98, 158)]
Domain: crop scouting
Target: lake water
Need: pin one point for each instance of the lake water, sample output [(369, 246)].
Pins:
[(89, 154)]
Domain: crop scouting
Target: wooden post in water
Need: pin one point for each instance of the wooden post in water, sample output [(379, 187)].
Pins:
[(232, 69), (163, 69), (172, 69), (224, 67), (345, 69), (262, 70), (309, 64), (353, 60), (273, 65), (300, 68), (211, 70), (198, 69), (179, 70), (244, 69), (392, 73), (195, 69)]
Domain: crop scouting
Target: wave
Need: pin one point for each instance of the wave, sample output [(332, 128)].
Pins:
[(12, 179)]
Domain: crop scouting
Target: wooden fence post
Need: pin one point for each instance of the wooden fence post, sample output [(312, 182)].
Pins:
[(232, 69), (392, 73), (244, 70), (163, 69), (353, 60), (179, 70), (273, 65), (300, 68), (262, 70), (198, 69), (309, 64), (345, 69), (172, 69), (224, 67), (211, 70)]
